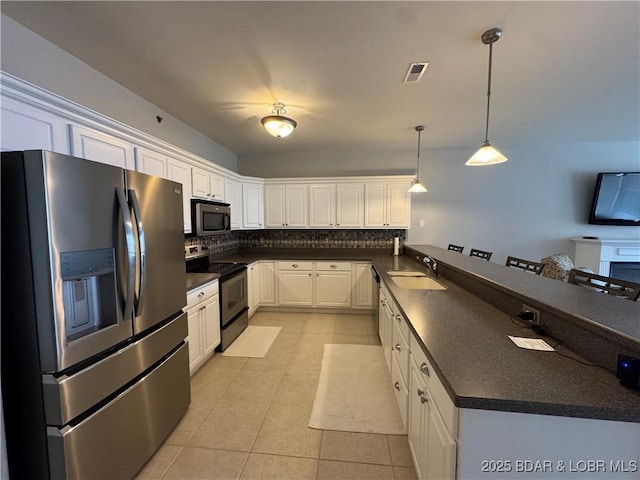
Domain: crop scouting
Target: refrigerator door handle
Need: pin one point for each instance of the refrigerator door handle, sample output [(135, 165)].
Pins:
[(142, 246), (131, 252)]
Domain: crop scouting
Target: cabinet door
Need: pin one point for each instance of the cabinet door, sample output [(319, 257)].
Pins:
[(333, 289), (253, 290), (210, 324), (200, 183), (274, 210), (267, 283), (252, 194), (180, 172), (217, 187), (295, 288), (234, 198), (363, 285), (150, 162), (321, 206), (385, 329), (398, 205), (375, 205), (418, 419), (439, 448), (101, 147), (196, 355), (400, 390), (28, 128), (296, 205), (349, 205)]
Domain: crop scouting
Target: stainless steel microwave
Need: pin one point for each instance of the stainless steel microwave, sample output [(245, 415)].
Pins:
[(210, 218)]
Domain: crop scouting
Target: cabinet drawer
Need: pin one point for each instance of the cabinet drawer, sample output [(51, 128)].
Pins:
[(400, 323), (333, 266), (441, 398), (293, 265), (200, 294)]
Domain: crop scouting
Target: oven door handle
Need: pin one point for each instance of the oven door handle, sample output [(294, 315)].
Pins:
[(131, 252)]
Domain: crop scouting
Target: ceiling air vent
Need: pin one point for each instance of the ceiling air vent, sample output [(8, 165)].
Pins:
[(415, 72)]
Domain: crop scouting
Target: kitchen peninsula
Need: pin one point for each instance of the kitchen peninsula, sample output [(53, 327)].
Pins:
[(514, 404)]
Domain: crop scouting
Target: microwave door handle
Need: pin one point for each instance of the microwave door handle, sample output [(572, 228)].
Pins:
[(131, 252), (142, 246), (227, 219)]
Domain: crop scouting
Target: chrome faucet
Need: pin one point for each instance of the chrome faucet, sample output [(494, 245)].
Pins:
[(431, 263)]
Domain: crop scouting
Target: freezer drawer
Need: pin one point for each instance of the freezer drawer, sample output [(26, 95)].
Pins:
[(67, 396), (117, 440)]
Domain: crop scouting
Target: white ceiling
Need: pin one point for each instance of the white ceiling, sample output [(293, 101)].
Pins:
[(562, 71)]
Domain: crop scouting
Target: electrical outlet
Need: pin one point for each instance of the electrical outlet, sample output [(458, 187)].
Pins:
[(535, 319)]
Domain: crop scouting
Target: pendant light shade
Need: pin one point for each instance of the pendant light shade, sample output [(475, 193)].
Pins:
[(278, 125), (487, 154), (417, 186)]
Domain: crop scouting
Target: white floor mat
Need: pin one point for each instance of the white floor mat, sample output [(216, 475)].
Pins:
[(355, 393), (254, 342)]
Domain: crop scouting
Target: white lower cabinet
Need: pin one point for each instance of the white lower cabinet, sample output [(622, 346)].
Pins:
[(385, 324), (203, 318), (253, 281), (362, 285), (267, 281), (333, 284), (295, 283), (432, 420)]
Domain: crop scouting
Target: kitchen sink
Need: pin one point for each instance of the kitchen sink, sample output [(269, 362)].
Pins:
[(406, 273), (417, 283)]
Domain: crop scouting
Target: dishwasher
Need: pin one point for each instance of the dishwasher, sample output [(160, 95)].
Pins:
[(375, 296)]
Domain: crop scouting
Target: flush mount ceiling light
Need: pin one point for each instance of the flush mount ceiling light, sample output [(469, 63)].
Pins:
[(417, 186), (487, 154), (278, 125)]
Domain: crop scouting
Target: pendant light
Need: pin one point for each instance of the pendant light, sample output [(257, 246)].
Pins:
[(487, 154), (417, 186), (278, 125)]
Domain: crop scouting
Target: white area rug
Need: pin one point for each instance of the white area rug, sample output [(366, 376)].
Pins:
[(254, 342), (354, 392)]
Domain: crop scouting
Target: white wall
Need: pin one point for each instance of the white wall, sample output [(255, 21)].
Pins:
[(36, 60), (529, 207)]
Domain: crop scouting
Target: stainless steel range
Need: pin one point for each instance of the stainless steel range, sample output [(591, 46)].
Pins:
[(234, 309)]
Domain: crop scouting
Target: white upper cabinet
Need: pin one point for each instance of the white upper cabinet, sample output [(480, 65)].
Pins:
[(349, 205), (25, 127), (336, 205), (180, 172), (234, 198), (101, 147), (253, 205), (207, 185), (151, 162), (322, 206), (286, 206), (387, 205)]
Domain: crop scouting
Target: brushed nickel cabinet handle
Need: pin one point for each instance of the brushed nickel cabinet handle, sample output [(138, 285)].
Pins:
[(424, 368), (420, 392), (396, 386), (334, 266), (424, 400), (397, 347)]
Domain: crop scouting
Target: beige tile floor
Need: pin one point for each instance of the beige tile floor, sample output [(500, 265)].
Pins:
[(248, 417)]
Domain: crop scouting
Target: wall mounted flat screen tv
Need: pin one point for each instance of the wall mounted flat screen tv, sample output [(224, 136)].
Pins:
[(616, 199)]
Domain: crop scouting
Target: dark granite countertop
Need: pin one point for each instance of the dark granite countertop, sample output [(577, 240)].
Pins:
[(466, 338), (195, 280)]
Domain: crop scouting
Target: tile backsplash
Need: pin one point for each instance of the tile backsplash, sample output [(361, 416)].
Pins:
[(299, 239)]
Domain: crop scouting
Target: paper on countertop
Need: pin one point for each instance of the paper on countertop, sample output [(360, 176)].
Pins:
[(532, 343)]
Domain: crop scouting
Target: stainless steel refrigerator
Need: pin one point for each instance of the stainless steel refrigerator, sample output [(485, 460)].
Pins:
[(95, 371)]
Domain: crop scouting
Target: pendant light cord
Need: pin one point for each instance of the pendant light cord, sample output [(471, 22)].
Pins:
[(486, 130)]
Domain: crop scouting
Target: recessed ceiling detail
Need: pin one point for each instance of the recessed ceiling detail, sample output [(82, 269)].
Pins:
[(415, 72)]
